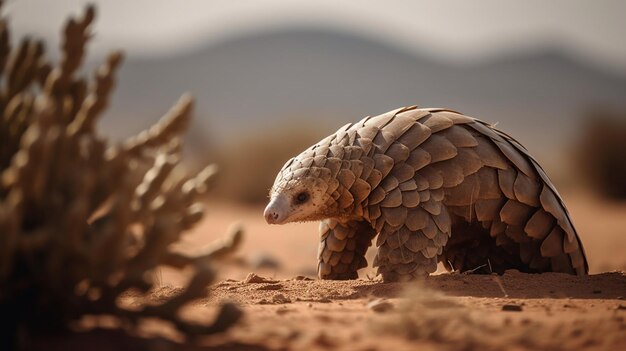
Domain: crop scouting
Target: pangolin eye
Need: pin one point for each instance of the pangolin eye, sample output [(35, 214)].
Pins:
[(302, 197)]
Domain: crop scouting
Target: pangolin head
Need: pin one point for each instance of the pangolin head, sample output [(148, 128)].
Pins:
[(300, 193)]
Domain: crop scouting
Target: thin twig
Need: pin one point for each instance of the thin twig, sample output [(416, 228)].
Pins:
[(475, 269)]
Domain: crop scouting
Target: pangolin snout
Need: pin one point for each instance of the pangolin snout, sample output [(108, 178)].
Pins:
[(275, 211)]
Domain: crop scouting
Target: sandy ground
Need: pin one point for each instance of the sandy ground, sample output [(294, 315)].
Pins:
[(272, 280)]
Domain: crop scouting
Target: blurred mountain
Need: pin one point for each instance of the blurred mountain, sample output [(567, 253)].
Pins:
[(253, 83)]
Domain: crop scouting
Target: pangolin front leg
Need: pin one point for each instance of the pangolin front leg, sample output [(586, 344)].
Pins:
[(411, 250), (342, 248)]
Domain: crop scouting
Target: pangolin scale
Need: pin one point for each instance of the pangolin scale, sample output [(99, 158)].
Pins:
[(431, 185)]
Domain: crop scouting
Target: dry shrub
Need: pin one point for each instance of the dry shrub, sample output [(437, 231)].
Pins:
[(601, 152), (427, 316), (250, 166), (82, 222)]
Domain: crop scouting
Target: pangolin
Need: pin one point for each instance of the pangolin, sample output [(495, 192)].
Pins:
[(432, 185)]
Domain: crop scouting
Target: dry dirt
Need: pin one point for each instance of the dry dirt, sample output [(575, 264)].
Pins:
[(272, 279)]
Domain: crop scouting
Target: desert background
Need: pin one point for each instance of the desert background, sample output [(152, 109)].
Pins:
[(271, 78)]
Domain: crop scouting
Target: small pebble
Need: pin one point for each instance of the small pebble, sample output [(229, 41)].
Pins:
[(253, 278), (280, 298), (380, 305), (301, 277), (512, 308), (282, 311)]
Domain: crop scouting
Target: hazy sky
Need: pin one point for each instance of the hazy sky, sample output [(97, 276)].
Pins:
[(454, 30)]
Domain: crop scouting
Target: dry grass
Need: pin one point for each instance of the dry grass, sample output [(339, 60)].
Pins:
[(83, 222)]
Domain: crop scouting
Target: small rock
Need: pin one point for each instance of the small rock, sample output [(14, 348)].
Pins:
[(283, 310), (512, 308), (253, 279), (620, 307), (301, 277), (270, 287), (280, 298), (380, 305)]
